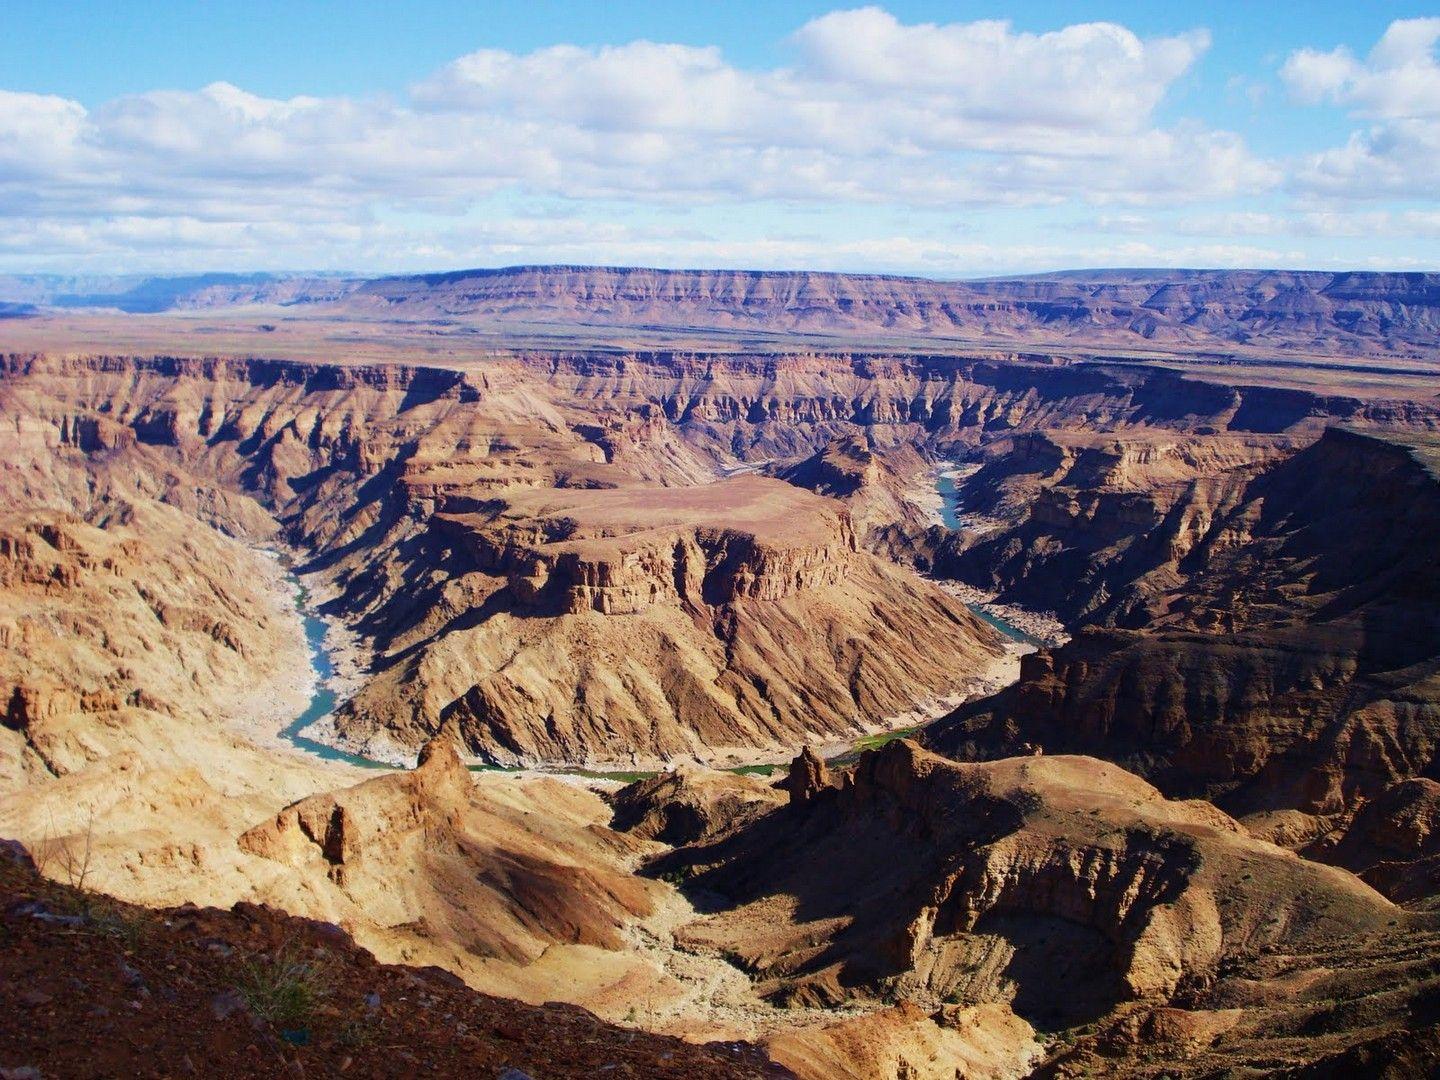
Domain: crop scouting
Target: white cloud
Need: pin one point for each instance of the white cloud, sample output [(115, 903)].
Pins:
[(1399, 80), (869, 111), (1396, 89), (1095, 76)]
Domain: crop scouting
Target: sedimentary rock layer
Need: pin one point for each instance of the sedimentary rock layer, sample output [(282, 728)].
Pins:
[(1286, 630)]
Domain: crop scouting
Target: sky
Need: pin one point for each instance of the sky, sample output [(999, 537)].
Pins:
[(941, 139)]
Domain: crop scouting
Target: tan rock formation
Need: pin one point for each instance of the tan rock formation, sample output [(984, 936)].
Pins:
[(973, 892), (505, 572), (689, 803), (940, 881), (1284, 660), (807, 778), (985, 1042), (423, 849), (610, 626)]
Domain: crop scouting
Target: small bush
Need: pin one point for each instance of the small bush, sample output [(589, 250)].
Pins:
[(283, 988), (125, 925)]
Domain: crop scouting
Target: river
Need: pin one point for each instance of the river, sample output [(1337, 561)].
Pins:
[(1035, 629), (323, 700)]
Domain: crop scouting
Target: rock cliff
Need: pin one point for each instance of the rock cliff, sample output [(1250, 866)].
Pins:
[(967, 893), (1344, 312), (563, 597), (636, 624), (1286, 649)]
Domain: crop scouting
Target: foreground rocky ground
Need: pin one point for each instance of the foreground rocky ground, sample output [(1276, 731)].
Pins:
[(970, 892), (97, 988)]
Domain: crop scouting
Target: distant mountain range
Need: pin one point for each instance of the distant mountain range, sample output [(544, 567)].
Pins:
[(1334, 312), (141, 294)]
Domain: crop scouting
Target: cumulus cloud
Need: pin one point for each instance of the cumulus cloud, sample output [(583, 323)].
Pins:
[(1396, 89), (863, 84), (868, 110), (1399, 80)]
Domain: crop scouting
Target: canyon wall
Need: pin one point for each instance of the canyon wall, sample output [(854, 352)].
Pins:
[(1270, 641), (509, 568), (1352, 312)]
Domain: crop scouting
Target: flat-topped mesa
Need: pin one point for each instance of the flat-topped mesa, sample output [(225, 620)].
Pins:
[(622, 550), (1288, 309)]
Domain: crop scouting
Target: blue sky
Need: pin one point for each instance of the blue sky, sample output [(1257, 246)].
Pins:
[(948, 139)]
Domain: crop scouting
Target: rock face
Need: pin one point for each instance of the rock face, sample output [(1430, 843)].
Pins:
[(422, 847), (1343, 312), (955, 887), (788, 406), (562, 598), (637, 624), (1288, 645), (1392, 842), (621, 551), (690, 803), (939, 879), (985, 1042), (1099, 528), (807, 778), (149, 619), (877, 488)]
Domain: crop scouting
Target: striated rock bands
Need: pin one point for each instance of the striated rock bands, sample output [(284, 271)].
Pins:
[(564, 600), (1289, 635)]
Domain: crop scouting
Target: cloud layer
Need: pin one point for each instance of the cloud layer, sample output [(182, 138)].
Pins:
[(869, 113)]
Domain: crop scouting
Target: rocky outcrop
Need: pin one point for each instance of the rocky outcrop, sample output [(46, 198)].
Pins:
[(646, 677), (1392, 842), (808, 777), (423, 846), (984, 1042), (1285, 657), (638, 623), (940, 881), (965, 894), (690, 803), (878, 489)]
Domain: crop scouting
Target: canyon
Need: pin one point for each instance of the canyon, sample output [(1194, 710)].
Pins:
[(602, 551)]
